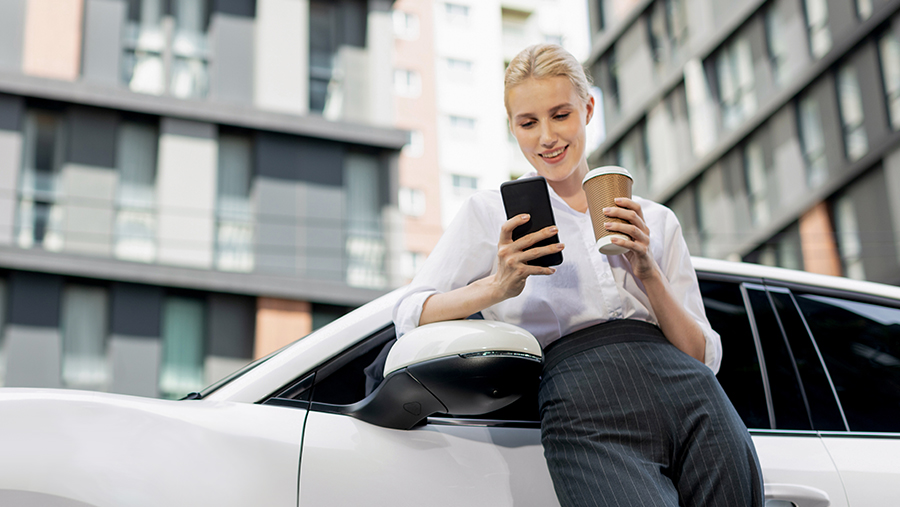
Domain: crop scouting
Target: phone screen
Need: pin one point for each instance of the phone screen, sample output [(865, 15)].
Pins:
[(530, 195)]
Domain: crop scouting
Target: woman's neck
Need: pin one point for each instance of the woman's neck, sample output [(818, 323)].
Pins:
[(570, 190)]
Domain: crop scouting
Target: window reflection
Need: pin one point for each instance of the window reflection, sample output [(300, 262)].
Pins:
[(856, 143), (39, 218)]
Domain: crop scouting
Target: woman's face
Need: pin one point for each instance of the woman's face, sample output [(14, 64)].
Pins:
[(549, 120)]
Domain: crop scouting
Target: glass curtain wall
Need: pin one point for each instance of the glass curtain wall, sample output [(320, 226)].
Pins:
[(734, 70), (234, 213), (366, 247), (166, 48), (3, 303), (812, 140), (889, 53), (183, 333), (856, 143), (135, 222), (84, 333), (818, 31), (39, 217)]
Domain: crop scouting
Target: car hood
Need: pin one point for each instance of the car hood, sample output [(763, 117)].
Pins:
[(107, 449)]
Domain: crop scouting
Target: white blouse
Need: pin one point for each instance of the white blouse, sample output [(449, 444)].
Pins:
[(588, 287)]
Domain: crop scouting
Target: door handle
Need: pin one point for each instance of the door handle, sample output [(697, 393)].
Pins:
[(797, 494)]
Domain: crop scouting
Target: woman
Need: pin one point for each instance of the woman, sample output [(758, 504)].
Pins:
[(629, 413)]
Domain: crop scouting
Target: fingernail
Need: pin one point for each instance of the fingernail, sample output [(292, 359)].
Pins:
[(552, 270), (607, 210), (607, 224), (524, 217), (554, 229), (560, 246), (618, 199)]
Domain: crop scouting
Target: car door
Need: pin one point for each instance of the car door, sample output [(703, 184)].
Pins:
[(759, 375), (495, 460), (858, 340)]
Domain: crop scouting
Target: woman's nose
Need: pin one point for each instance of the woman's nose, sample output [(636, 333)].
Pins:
[(548, 136)]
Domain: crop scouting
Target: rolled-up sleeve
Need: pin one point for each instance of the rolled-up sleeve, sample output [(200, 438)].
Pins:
[(682, 278), (465, 253)]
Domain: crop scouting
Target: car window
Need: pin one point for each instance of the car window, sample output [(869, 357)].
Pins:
[(860, 343), (740, 374), (788, 401), (823, 406), (343, 380)]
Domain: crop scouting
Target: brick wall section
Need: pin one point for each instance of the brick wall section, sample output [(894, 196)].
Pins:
[(820, 253), (279, 322)]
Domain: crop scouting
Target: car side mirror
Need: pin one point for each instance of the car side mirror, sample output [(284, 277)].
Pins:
[(463, 367)]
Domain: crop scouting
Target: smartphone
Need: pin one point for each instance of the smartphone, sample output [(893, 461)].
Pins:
[(530, 195)]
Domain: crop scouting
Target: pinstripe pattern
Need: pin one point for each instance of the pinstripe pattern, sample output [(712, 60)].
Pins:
[(641, 423)]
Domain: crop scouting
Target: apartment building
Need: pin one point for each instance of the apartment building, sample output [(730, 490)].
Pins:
[(769, 126), (187, 185)]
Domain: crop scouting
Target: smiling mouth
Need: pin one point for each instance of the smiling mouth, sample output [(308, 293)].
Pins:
[(554, 153)]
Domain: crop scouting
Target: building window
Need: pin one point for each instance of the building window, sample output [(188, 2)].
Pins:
[(817, 27), (734, 69), (554, 39), (457, 14), (166, 48), (848, 238), (416, 146), (676, 24), (756, 177), (864, 9), (84, 333), (850, 98), (332, 25), (612, 81), (411, 201), (461, 126), (407, 83), (812, 140), (889, 52), (234, 212), (183, 334), (463, 185), (39, 217), (411, 263), (406, 25), (135, 222), (366, 247), (459, 70), (776, 44)]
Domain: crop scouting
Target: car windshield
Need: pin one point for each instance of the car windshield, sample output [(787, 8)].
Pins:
[(229, 378)]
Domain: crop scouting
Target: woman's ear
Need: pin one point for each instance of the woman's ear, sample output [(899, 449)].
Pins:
[(590, 109)]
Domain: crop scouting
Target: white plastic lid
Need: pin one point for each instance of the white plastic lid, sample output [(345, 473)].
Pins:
[(607, 169)]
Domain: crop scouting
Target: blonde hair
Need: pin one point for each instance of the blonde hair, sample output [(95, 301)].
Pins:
[(542, 61)]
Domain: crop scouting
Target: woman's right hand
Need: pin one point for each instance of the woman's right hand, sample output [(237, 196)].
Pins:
[(512, 257)]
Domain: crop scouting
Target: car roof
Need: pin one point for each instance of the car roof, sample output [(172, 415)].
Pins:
[(748, 270)]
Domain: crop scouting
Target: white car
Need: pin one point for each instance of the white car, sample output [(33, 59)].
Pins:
[(812, 363)]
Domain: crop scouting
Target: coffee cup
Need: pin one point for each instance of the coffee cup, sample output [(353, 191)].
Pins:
[(602, 185)]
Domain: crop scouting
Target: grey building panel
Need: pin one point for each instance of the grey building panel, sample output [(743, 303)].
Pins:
[(232, 323), (10, 164), (102, 50), (325, 233), (842, 18), (92, 136), (135, 365), (34, 299), (33, 356), (892, 185), (243, 8), (755, 31), (88, 212), (879, 248), (12, 34), (232, 62), (300, 159), (187, 128), (136, 309), (825, 94), (12, 108), (276, 232), (787, 157)]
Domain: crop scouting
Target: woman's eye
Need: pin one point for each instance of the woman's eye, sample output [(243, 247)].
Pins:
[(562, 116), (527, 124)]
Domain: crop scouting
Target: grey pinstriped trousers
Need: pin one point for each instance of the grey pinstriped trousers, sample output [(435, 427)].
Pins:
[(627, 419)]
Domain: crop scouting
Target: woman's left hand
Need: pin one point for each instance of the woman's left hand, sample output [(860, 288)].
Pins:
[(642, 263)]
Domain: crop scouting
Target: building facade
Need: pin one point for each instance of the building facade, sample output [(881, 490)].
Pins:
[(186, 185), (769, 126)]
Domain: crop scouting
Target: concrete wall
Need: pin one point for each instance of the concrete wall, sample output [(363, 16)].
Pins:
[(232, 322), (282, 56), (52, 44), (186, 192), (12, 33), (32, 338), (103, 24)]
